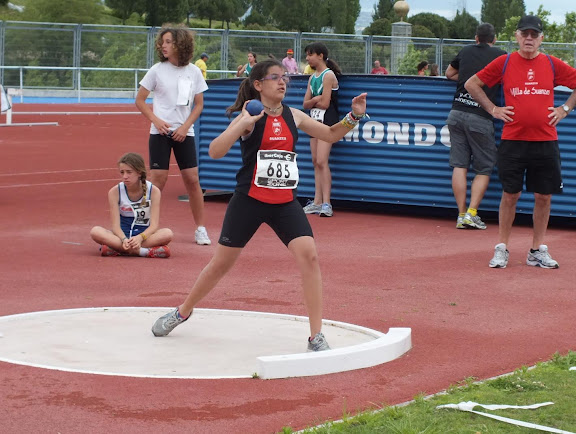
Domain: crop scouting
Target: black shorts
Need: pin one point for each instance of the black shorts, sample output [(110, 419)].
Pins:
[(160, 148), (331, 116), (244, 216), (539, 161)]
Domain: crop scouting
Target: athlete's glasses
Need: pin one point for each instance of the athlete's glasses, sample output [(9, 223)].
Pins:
[(277, 77), (532, 33)]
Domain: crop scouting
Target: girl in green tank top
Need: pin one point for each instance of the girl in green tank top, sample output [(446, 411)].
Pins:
[(322, 100)]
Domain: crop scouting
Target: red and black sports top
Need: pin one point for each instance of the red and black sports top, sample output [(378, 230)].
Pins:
[(270, 133)]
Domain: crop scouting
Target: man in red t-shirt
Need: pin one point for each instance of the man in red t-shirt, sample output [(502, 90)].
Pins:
[(380, 70), (529, 145)]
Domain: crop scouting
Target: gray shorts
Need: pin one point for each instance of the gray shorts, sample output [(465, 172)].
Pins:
[(472, 140)]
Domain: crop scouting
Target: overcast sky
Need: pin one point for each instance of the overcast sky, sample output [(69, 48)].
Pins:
[(448, 8)]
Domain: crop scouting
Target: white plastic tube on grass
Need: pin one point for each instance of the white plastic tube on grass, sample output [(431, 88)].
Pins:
[(469, 406)]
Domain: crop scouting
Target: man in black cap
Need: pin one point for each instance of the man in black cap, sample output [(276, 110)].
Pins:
[(201, 63), (529, 146)]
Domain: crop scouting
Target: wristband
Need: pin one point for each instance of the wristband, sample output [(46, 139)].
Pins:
[(143, 236), (357, 117), (124, 239), (493, 108), (349, 122)]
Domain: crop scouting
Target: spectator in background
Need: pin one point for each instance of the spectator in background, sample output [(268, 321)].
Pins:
[(528, 153), (422, 67), (308, 70), (472, 128), (380, 70), (178, 88), (434, 70), (290, 63), (244, 70), (321, 99), (201, 63)]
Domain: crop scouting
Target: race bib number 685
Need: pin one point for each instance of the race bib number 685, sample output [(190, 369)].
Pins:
[(276, 169)]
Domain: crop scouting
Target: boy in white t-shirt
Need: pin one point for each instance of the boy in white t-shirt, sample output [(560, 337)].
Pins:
[(178, 102)]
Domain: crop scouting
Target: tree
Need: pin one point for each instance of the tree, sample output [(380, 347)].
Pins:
[(65, 11), (516, 8), (409, 63), (569, 30), (342, 15), (204, 9), (384, 10), (230, 10), (159, 12), (301, 16), (419, 31), (381, 26), (123, 9), (438, 25), (463, 26), (496, 12)]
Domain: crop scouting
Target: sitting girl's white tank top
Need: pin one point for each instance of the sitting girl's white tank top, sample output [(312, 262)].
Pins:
[(134, 216)]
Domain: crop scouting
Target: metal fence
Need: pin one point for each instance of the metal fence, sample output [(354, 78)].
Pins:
[(89, 56)]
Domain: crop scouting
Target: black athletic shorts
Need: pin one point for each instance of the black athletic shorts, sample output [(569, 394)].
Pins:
[(245, 214), (160, 147), (539, 161)]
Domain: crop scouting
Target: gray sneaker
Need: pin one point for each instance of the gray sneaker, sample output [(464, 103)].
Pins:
[(473, 222), (500, 259), (166, 323), (541, 258), (326, 210), (318, 343), (312, 208), (460, 222)]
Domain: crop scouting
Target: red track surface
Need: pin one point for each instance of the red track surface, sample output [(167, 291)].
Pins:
[(379, 271)]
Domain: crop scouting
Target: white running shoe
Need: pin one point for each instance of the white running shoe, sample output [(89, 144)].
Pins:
[(474, 222), (201, 236), (460, 222), (500, 259), (541, 258), (312, 208), (166, 323), (326, 210)]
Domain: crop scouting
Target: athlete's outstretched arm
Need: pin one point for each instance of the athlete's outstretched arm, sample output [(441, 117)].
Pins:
[(324, 132)]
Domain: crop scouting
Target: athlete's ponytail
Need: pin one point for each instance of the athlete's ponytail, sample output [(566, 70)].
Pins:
[(320, 48)]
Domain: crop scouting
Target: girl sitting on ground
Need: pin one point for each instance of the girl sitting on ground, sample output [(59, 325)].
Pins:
[(135, 213)]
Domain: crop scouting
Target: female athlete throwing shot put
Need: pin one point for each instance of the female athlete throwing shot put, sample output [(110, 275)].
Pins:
[(266, 190)]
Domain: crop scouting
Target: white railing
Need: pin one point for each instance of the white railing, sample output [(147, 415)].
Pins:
[(77, 87)]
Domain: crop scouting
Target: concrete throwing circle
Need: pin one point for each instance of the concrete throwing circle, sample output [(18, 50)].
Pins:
[(212, 344)]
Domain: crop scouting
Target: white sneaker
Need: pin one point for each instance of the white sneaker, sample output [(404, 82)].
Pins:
[(460, 222), (474, 222), (326, 210), (318, 343), (201, 236), (500, 259), (541, 258), (312, 208)]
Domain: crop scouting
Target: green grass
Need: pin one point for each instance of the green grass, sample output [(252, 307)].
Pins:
[(546, 382)]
